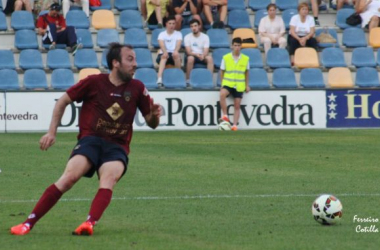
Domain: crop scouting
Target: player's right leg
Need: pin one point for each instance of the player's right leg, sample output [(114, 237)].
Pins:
[(223, 104)]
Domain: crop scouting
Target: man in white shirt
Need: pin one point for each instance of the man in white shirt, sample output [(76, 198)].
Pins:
[(197, 46), (170, 42)]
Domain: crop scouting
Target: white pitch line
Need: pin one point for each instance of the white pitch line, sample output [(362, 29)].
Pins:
[(189, 197)]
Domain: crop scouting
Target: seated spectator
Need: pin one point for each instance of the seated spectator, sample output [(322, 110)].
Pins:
[(14, 5), (143, 8), (156, 11), (185, 11), (302, 30), (41, 5), (197, 46), (369, 12), (52, 28), (81, 3), (339, 3), (272, 29), (215, 12), (315, 9), (170, 42)]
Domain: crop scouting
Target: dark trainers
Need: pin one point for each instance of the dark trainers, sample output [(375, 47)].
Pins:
[(76, 47), (317, 23), (52, 46)]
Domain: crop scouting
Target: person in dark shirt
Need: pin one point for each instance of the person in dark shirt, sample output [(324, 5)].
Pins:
[(185, 11)]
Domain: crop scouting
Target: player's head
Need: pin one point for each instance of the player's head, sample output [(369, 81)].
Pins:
[(122, 60), (195, 26), (170, 23), (236, 45)]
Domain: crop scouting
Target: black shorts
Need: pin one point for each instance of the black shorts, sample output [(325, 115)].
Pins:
[(233, 92), (169, 61), (99, 151)]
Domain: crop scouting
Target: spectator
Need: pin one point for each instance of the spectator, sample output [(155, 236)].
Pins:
[(272, 29), (52, 28), (185, 10), (302, 30), (340, 3), (81, 3), (235, 80), (369, 12), (156, 11), (215, 10), (143, 8), (14, 5), (41, 5), (197, 47), (170, 43), (315, 9)]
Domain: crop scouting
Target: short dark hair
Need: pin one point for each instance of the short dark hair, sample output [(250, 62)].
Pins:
[(271, 5), (169, 18), (237, 40), (55, 6), (114, 53), (194, 21)]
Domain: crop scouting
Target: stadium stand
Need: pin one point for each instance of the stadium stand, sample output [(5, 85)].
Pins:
[(255, 59), (238, 19), (341, 17), (340, 78), (83, 73), (245, 33), (35, 79), (30, 59), (278, 58), (255, 5), (236, 5), (174, 78), (136, 38), (287, 4), (218, 38), (7, 60), (9, 79), (22, 19), (184, 32), (306, 57), (363, 57), (287, 15), (26, 39), (148, 76), (354, 37), (106, 5), (333, 57), (3, 22), (374, 37), (62, 79), (103, 19), (201, 79), (106, 36), (284, 78), (333, 33), (58, 58), (258, 79), (85, 38), (130, 19), (258, 15), (154, 37), (312, 78), (217, 55), (86, 58), (367, 77), (77, 19), (121, 5), (104, 59), (144, 58)]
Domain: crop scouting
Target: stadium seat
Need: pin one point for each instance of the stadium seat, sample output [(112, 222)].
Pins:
[(363, 57), (86, 58), (245, 33), (340, 78), (144, 58), (30, 59), (77, 19), (107, 36), (284, 78), (238, 19), (106, 5), (130, 19), (378, 57), (287, 15), (217, 56), (174, 79), (312, 78), (184, 32), (154, 38), (236, 5), (3, 22), (341, 16), (255, 59), (333, 33), (121, 5), (104, 59), (7, 60), (35, 79), (84, 37), (287, 4), (22, 19), (62, 79), (83, 73), (201, 79), (218, 38), (258, 4), (103, 19), (58, 58), (278, 58), (9, 79), (306, 57), (148, 76), (136, 38), (367, 77), (333, 57), (374, 37), (354, 37), (26, 39), (333, 6), (258, 79), (258, 15)]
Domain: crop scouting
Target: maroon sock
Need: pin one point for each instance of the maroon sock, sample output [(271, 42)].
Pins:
[(48, 199), (99, 204)]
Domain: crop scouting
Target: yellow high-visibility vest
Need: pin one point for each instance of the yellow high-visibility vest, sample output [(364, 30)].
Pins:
[(234, 74)]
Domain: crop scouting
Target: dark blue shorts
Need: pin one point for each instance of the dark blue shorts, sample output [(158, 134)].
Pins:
[(169, 61), (99, 151), (233, 92)]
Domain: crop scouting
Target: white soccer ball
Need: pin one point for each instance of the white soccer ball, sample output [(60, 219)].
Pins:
[(224, 126), (327, 209)]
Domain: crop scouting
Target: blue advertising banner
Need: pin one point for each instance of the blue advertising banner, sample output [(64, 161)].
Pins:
[(352, 108)]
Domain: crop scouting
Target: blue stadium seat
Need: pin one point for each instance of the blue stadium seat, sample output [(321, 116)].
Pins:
[(333, 57), (333, 33), (136, 38), (130, 19), (35, 79), (3, 22), (148, 76), (258, 79), (367, 77), (363, 57), (287, 4), (378, 57), (312, 78), (107, 36), (201, 79), (341, 16), (86, 58), (22, 19), (77, 19), (62, 79), (287, 15), (154, 38), (58, 58), (184, 32), (174, 79), (258, 4), (9, 79), (278, 58), (57, 46), (104, 58), (236, 5), (218, 38), (258, 15), (238, 19), (84, 37), (26, 39), (284, 78), (217, 56), (255, 59), (144, 58), (121, 5), (354, 37), (30, 59), (7, 60), (106, 5), (333, 6)]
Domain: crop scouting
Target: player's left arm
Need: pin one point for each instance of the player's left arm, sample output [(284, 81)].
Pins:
[(247, 88), (153, 118)]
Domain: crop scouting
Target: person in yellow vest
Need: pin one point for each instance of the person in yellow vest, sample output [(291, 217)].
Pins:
[(234, 78)]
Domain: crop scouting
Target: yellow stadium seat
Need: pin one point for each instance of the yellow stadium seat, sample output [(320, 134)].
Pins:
[(306, 58), (103, 19), (340, 77), (245, 33), (83, 73), (374, 37)]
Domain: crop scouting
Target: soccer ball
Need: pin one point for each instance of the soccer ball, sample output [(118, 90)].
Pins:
[(327, 209), (224, 126)]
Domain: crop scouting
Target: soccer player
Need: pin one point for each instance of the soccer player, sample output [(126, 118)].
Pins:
[(234, 75), (110, 102)]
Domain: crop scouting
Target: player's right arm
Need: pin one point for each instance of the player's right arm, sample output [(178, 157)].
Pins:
[(48, 139)]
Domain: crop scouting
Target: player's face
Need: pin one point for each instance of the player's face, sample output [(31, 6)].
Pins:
[(127, 66), (194, 28), (236, 47)]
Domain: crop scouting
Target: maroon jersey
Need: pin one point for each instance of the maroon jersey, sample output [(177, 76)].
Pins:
[(108, 111)]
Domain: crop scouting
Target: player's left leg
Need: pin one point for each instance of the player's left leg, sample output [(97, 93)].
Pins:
[(237, 101)]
